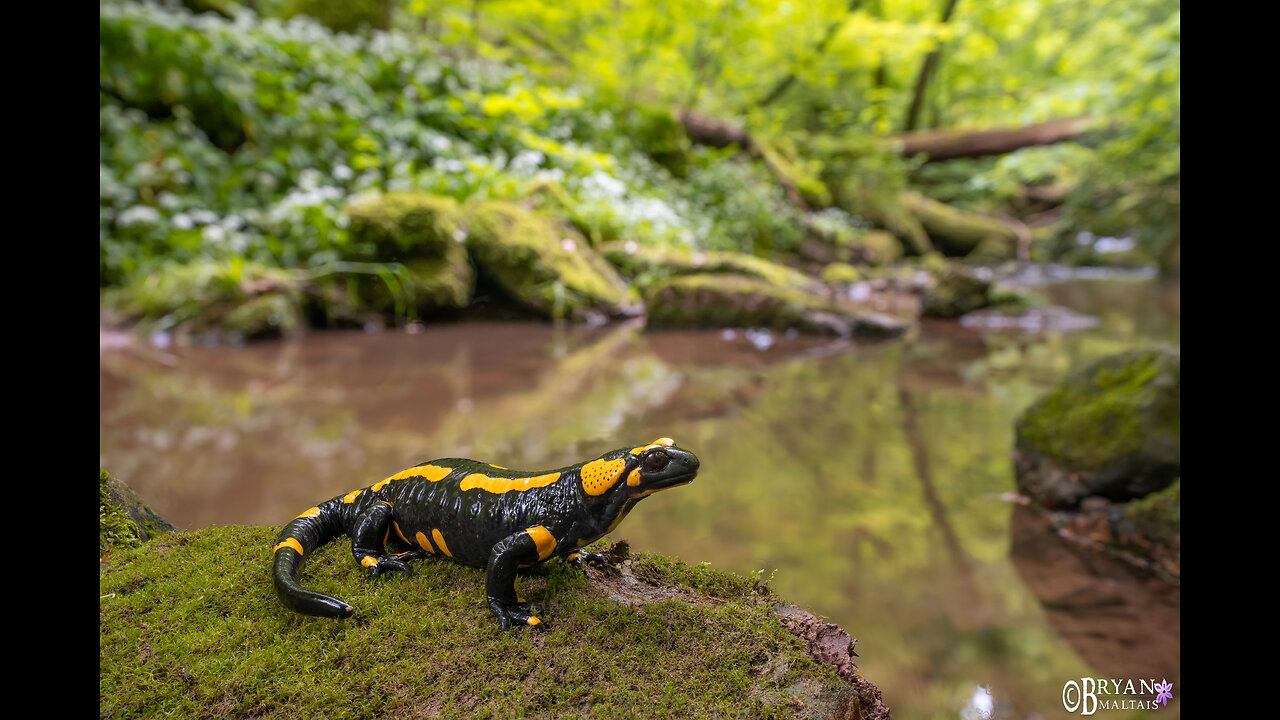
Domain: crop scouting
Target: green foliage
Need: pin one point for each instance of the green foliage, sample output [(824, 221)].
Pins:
[(1004, 63), (347, 16)]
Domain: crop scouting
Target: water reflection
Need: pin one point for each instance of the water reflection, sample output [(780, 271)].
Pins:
[(871, 476)]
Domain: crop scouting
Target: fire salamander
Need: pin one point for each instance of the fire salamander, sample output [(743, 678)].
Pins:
[(482, 515)]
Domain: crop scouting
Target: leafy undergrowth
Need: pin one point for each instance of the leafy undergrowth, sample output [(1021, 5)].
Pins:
[(190, 626)]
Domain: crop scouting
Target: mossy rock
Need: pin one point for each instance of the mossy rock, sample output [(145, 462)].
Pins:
[(732, 301), (1110, 429), (839, 273), (233, 298), (401, 226), (542, 265), (417, 261), (955, 290), (875, 247), (190, 626), (649, 265), (124, 520)]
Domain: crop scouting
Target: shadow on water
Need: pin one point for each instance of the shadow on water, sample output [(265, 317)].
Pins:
[(871, 476)]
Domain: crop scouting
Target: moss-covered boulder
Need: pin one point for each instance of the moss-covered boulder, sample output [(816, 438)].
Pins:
[(649, 265), (709, 300), (233, 299), (542, 265), (860, 247), (124, 520), (955, 290), (190, 626), (838, 273), (418, 259), (1110, 429)]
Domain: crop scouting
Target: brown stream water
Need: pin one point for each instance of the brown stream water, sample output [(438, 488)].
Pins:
[(873, 477)]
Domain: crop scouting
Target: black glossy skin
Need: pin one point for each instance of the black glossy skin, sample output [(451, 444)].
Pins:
[(499, 531)]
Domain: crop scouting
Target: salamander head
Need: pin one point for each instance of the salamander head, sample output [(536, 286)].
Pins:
[(640, 471), (658, 466)]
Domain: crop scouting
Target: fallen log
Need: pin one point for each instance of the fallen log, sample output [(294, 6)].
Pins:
[(941, 145)]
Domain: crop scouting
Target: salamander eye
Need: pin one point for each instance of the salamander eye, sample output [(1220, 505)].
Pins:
[(656, 460)]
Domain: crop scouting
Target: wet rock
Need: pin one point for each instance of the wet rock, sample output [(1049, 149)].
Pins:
[(1020, 318), (651, 265), (731, 301), (1110, 429), (956, 290), (123, 518)]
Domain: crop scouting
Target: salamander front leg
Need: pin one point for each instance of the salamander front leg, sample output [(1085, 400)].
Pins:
[(368, 543), (577, 557), (500, 580)]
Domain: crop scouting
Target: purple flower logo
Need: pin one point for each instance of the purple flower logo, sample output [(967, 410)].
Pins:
[(1164, 688)]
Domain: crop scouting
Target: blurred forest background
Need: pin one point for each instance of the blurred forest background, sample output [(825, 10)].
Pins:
[(234, 136)]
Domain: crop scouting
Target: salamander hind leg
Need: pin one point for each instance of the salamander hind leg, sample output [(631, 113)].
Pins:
[(368, 544), (500, 581)]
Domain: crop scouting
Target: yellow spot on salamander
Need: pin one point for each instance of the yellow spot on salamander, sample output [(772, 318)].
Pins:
[(434, 473), (399, 533), (543, 539), (289, 543), (351, 496), (600, 475), (501, 485), (664, 442), (435, 535), (424, 543), (379, 486), (368, 561), (633, 479), (533, 620), (498, 466), (309, 513)]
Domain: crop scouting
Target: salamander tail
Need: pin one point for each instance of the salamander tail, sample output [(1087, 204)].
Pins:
[(297, 540)]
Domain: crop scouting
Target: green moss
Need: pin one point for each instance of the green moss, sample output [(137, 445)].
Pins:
[(877, 247), (1007, 296), (546, 267), (649, 265), (232, 296), (401, 226), (1110, 410), (960, 232), (416, 264), (190, 627), (660, 135), (115, 528), (708, 300), (841, 273), (1159, 515), (804, 176), (955, 290)]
